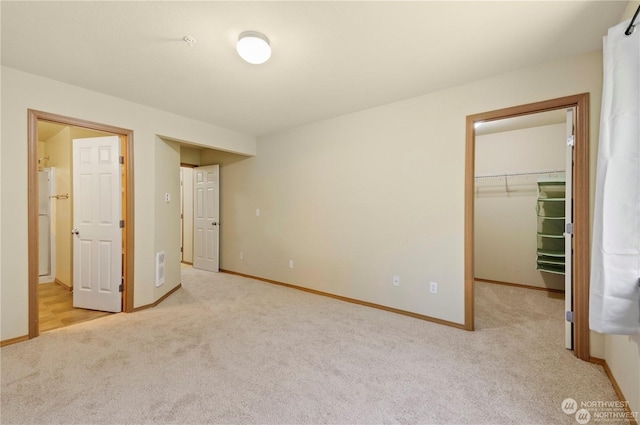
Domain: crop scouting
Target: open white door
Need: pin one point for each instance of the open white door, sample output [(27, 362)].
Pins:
[(206, 213), (568, 235), (97, 236)]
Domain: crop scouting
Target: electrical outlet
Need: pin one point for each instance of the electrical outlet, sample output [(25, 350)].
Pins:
[(257, 212), (396, 280), (241, 255), (433, 287), (290, 264)]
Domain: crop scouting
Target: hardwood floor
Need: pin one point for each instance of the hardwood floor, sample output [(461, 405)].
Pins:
[(56, 308)]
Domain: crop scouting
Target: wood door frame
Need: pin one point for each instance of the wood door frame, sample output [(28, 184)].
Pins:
[(581, 248), (126, 137)]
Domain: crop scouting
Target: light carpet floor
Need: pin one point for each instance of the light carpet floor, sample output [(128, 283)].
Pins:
[(226, 349)]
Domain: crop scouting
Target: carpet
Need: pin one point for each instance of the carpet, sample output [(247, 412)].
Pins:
[(228, 349)]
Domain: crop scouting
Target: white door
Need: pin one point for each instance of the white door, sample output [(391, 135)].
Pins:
[(206, 213), (97, 236), (568, 236)]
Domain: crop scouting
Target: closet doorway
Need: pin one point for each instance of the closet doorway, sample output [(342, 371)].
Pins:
[(61, 154), (520, 240), (576, 181)]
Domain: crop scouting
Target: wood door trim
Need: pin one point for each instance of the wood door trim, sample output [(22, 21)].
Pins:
[(33, 116), (581, 209)]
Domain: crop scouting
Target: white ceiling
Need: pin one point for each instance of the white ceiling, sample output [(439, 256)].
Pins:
[(329, 57)]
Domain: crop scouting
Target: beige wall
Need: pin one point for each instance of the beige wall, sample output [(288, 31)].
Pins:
[(622, 354), (59, 153), (505, 222), (168, 213), (190, 155), (21, 91), (357, 199)]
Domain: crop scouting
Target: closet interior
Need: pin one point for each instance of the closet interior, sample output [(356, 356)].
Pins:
[(520, 206)]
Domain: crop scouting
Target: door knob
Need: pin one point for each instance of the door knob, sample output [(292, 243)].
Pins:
[(75, 232), (215, 223)]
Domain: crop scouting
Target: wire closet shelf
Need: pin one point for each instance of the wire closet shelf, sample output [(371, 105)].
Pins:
[(521, 178)]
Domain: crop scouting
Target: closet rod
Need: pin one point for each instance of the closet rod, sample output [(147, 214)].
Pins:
[(632, 26), (530, 173)]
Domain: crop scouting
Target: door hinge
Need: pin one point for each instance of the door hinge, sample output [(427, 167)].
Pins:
[(569, 229), (180, 249), (569, 316), (571, 140), (122, 160), (122, 224), (121, 287)]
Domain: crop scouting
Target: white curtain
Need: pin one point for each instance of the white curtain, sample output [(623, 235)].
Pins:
[(615, 263)]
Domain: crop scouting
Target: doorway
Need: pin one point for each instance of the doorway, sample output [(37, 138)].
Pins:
[(520, 220), (47, 196), (196, 160), (186, 213), (580, 177), (126, 142)]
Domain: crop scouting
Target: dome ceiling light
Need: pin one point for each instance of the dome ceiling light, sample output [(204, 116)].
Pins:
[(253, 47)]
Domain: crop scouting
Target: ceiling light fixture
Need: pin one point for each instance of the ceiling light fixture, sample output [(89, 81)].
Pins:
[(253, 47)]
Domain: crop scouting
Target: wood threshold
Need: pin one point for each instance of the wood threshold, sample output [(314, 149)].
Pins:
[(14, 340), (616, 388), (162, 298), (520, 285), (126, 137), (351, 300), (581, 209)]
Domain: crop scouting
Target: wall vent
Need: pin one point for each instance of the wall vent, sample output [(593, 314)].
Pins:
[(159, 268)]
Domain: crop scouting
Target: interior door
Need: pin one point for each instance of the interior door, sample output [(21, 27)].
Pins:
[(568, 235), (206, 213), (97, 236)]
